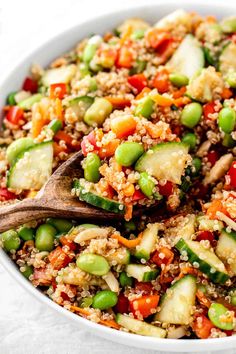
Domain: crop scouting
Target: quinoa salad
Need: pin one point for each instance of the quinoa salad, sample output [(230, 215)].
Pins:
[(153, 110)]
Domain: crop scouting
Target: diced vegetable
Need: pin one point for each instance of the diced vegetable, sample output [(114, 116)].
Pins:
[(141, 272), (146, 246), (140, 327), (226, 250), (62, 74)]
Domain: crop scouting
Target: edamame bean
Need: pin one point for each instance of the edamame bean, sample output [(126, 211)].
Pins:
[(125, 280), (228, 141), (227, 119), (145, 107), (91, 47), (221, 317), (92, 84), (146, 184), (93, 264), (128, 153), (228, 24), (55, 125), (44, 240), (28, 271), (98, 112), (233, 300), (197, 164), (11, 99), (190, 139), (178, 79), (231, 79), (11, 240), (84, 70), (26, 233), (86, 302), (91, 167), (191, 114), (17, 147), (62, 225), (138, 34), (104, 300)]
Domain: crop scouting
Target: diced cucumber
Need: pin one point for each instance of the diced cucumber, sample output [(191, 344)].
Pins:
[(226, 250), (178, 301), (147, 244), (142, 272), (227, 61), (165, 161), (59, 75), (140, 327), (121, 256), (27, 104), (79, 105), (187, 64), (94, 199), (186, 228), (206, 224), (16, 147), (176, 17), (204, 259), (32, 168)]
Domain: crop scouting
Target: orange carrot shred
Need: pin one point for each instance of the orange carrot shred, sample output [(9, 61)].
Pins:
[(108, 323), (128, 243)]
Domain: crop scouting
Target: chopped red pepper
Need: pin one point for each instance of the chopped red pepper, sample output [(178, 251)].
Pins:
[(14, 115), (145, 288), (42, 277), (138, 195), (58, 91), (166, 189), (212, 157), (59, 258), (205, 235), (67, 242), (208, 108), (163, 256), (122, 305), (30, 85), (161, 81), (124, 58), (202, 327), (145, 305), (232, 175), (88, 140), (138, 81), (155, 38), (5, 194)]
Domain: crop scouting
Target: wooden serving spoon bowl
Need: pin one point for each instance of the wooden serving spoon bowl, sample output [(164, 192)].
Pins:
[(54, 200)]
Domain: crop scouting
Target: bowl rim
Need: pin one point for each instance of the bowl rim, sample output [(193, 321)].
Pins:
[(177, 345)]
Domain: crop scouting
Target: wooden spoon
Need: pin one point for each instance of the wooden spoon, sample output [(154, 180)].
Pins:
[(54, 200)]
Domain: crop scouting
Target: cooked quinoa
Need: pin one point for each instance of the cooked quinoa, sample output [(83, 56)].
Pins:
[(153, 110)]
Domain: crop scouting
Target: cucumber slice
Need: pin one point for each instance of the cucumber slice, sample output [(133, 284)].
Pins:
[(206, 260), (188, 58), (59, 75), (147, 244), (227, 61), (165, 161), (178, 301), (27, 104), (206, 224), (17, 147), (32, 168), (140, 327), (185, 229), (79, 105), (176, 17), (226, 250), (142, 272), (94, 199)]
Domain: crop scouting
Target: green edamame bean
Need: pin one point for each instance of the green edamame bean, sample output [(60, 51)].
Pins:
[(86, 302), (62, 225), (26, 233), (84, 70), (92, 84), (128, 153), (190, 139), (233, 300), (231, 79), (44, 240), (191, 114), (11, 99), (227, 119), (98, 112), (220, 316), (145, 107), (228, 24), (130, 225), (125, 280), (138, 34), (104, 300), (91, 167), (28, 271), (55, 125), (178, 79), (93, 264), (197, 164), (17, 147), (11, 240), (228, 141), (146, 184)]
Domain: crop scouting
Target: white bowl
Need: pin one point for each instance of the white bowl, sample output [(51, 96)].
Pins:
[(44, 55)]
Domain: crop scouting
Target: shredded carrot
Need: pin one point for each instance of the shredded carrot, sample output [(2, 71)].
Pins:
[(187, 270), (181, 101), (58, 109), (226, 93), (128, 211), (179, 93), (118, 102), (162, 100), (61, 135), (216, 205), (109, 149), (126, 35), (203, 299), (128, 243), (143, 93), (57, 149), (108, 323)]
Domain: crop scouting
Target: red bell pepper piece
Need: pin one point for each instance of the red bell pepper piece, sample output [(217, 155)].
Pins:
[(58, 91), (166, 189), (232, 175), (202, 327), (59, 258), (86, 143), (144, 305), (212, 157), (15, 114), (30, 85), (158, 258), (124, 58), (122, 305), (5, 194), (66, 242), (206, 235), (138, 81), (208, 108), (145, 288), (138, 195)]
